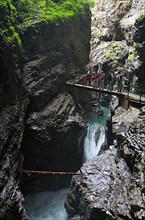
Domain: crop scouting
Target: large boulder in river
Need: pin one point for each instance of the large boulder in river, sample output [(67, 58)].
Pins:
[(100, 189), (112, 186)]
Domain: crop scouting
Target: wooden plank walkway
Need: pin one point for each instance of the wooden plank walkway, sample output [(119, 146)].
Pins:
[(77, 85), (132, 97)]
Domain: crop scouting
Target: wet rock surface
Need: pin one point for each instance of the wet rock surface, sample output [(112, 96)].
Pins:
[(47, 50), (11, 131), (100, 190), (48, 134), (42, 82), (54, 125), (112, 185)]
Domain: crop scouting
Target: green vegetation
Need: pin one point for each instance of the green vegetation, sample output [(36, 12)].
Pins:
[(110, 54), (32, 11), (142, 16), (131, 57), (115, 51), (27, 12), (8, 18), (132, 53)]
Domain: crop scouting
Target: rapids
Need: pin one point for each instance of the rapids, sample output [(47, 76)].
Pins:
[(49, 205)]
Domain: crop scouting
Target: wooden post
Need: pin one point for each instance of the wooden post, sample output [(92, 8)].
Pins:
[(123, 101)]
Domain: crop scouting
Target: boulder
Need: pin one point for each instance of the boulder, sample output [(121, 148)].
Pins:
[(112, 185)]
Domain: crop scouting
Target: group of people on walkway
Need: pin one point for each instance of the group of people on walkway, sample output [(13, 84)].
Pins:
[(96, 77)]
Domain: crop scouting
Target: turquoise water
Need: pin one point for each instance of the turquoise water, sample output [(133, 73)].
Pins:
[(96, 126), (48, 205), (101, 120)]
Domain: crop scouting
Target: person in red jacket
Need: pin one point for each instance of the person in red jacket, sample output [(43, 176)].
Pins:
[(85, 80), (102, 78)]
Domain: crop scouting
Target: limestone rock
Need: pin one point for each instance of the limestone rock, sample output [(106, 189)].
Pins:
[(112, 35)]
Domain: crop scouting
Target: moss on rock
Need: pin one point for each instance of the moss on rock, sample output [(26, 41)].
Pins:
[(8, 17)]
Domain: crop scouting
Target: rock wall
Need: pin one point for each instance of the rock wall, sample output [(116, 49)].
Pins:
[(64, 42), (139, 38), (112, 185), (11, 131), (49, 51), (13, 105), (52, 139), (55, 124), (113, 35)]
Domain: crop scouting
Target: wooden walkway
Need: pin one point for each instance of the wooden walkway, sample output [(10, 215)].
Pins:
[(130, 96), (80, 86)]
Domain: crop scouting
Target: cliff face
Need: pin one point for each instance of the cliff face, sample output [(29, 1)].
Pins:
[(51, 51), (113, 36), (13, 104), (45, 71), (112, 185), (11, 131), (139, 38), (53, 137), (54, 122), (65, 41)]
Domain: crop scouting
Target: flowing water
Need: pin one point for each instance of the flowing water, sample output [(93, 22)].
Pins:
[(49, 205), (96, 124)]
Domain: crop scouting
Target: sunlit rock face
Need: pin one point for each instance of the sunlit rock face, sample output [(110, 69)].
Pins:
[(112, 39), (112, 185)]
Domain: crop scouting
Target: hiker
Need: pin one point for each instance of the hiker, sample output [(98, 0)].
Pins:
[(77, 71), (85, 80), (119, 81), (72, 76), (94, 79), (89, 77), (102, 78), (110, 81)]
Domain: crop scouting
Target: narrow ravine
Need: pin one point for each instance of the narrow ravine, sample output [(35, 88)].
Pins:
[(49, 205)]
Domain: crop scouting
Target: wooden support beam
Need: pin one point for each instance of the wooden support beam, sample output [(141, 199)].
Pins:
[(48, 172)]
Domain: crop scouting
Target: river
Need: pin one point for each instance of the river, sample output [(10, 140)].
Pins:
[(49, 205)]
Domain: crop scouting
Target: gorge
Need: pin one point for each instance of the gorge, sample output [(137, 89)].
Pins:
[(43, 125)]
